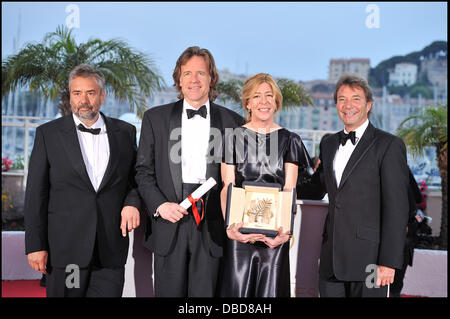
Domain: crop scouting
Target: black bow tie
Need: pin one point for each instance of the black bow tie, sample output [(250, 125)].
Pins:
[(202, 111), (94, 131), (344, 137)]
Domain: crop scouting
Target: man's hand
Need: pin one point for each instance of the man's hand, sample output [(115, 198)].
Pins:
[(171, 212), (316, 166), (130, 219), (385, 276), (38, 260)]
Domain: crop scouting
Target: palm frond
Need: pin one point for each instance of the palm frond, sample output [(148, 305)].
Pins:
[(426, 128), (230, 90), (130, 75), (293, 93)]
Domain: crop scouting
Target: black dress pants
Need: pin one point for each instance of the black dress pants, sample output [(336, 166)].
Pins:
[(93, 281), (331, 287), (188, 270)]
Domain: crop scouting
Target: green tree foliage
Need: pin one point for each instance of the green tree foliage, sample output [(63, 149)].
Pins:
[(429, 128), (44, 67), (294, 94), (379, 75), (230, 90)]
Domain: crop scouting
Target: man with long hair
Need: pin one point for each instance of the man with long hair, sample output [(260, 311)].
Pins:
[(187, 251)]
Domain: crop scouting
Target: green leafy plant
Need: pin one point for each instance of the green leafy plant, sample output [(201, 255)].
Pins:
[(429, 128), (18, 163), (44, 67)]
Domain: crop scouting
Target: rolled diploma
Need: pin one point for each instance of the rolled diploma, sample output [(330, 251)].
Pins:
[(199, 192)]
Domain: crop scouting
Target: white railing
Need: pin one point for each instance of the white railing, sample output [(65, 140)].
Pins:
[(26, 122)]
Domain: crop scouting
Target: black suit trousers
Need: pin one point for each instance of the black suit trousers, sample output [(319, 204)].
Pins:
[(331, 287), (93, 281), (188, 270)]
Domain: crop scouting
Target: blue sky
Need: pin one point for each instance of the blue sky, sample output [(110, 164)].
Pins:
[(295, 40)]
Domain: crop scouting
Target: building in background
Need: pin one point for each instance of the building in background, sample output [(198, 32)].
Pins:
[(434, 67), (404, 73), (226, 75), (164, 96), (357, 66)]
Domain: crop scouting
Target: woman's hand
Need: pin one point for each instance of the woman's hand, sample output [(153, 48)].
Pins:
[(281, 238), (234, 234)]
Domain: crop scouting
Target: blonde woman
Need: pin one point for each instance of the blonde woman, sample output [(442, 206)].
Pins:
[(256, 265)]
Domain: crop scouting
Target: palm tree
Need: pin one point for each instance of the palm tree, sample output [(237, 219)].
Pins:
[(430, 130), (293, 93), (230, 91), (44, 67)]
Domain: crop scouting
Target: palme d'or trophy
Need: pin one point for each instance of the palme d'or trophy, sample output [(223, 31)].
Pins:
[(260, 211), (263, 208)]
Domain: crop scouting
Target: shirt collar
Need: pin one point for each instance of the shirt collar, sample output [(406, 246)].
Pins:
[(100, 123), (360, 130)]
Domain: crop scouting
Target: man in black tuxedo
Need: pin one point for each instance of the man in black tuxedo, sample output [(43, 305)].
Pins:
[(365, 173), (180, 148), (81, 197)]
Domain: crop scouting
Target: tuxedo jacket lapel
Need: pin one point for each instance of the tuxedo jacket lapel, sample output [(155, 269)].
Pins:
[(112, 131), (215, 143), (69, 140), (175, 163), (214, 146), (329, 159), (366, 142)]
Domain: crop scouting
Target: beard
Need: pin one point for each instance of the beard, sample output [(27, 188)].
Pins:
[(86, 115)]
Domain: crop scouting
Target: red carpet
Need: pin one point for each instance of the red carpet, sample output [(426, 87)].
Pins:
[(32, 289), (22, 288)]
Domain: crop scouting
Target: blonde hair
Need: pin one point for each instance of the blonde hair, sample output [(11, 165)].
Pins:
[(252, 84)]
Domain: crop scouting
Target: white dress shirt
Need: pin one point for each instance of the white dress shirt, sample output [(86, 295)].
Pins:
[(194, 145), (344, 152), (95, 150)]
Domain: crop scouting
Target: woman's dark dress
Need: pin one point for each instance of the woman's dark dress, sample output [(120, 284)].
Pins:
[(255, 270)]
